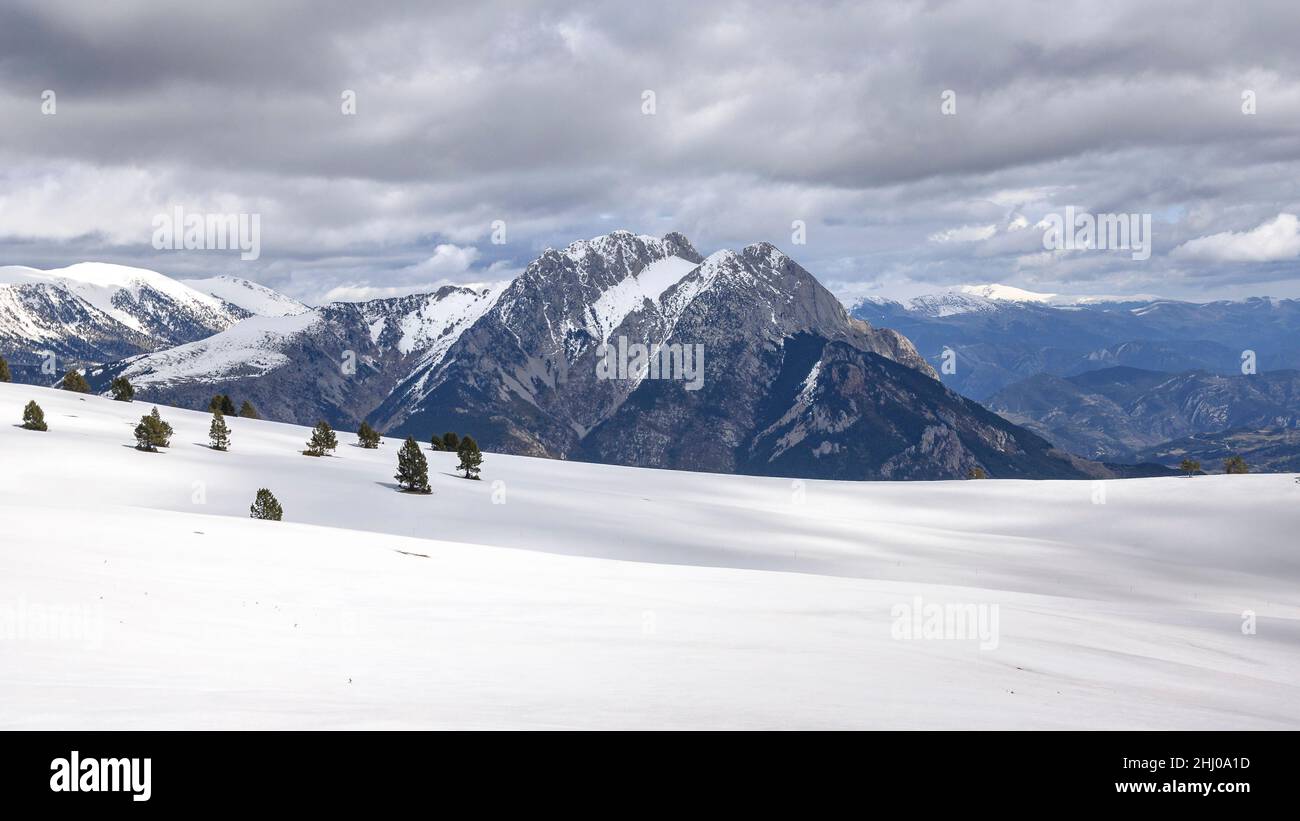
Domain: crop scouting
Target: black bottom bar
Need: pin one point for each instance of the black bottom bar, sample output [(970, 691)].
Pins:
[(337, 771)]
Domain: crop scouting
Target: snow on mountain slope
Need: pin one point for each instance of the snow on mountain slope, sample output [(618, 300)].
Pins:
[(1006, 292), (252, 297), (248, 348), (131, 295), (139, 595), (950, 303), (433, 322), (93, 312), (632, 292)]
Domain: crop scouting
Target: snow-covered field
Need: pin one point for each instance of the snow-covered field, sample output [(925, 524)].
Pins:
[(136, 593)]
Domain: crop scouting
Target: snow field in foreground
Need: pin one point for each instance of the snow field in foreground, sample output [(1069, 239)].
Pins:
[(135, 592)]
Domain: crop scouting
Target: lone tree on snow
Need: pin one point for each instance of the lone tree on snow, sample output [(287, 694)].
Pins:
[(122, 389), (34, 417), (219, 433), (450, 441), (322, 440), (976, 473), (74, 381), (367, 437), (152, 432), (1235, 464), (1190, 466), (4, 370), (412, 468), (265, 506), (247, 410), (470, 458)]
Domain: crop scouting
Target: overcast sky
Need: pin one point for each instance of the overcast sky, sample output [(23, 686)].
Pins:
[(764, 114)]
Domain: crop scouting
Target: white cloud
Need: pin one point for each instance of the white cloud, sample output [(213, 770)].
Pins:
[(966, 233), (447, 260), (1269, 242)]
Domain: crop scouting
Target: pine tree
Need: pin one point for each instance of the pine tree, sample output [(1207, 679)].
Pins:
[(4, 371), (247, 411), (214, 404), (436, 443), (122, 389), (219, 432), (265, 506), (34, 417), (1190, 466), (152, 432), (227, 405), (470, 457), (1235, 464), (367, 437), (162, 426), (322, 440), (977, 473), (412, 468), (450, 442), (74, 381)]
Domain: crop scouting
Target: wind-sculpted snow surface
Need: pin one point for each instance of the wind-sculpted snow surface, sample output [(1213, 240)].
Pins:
[(135, 592)]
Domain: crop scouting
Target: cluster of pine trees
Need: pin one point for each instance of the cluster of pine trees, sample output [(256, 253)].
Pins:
[(466, 449), (222, 402)]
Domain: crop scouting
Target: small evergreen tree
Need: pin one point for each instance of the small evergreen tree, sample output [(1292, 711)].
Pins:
[(1235, 464), (247, 411), (450, 442), (74, 381), (367, 437), (1190, 466), (470, 457), (4, 371), (219, 432), (227, 405), (265, 506), (122, 389), (152, 432), (412, 468), (976, 473), (34, 417), (162, 426), (322, 440), (436, 443)]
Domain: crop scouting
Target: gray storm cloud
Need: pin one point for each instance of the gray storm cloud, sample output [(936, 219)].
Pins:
[(764, 113)]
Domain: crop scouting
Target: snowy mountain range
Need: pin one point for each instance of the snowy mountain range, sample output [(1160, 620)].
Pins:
[(94, 312), (790, 383)]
